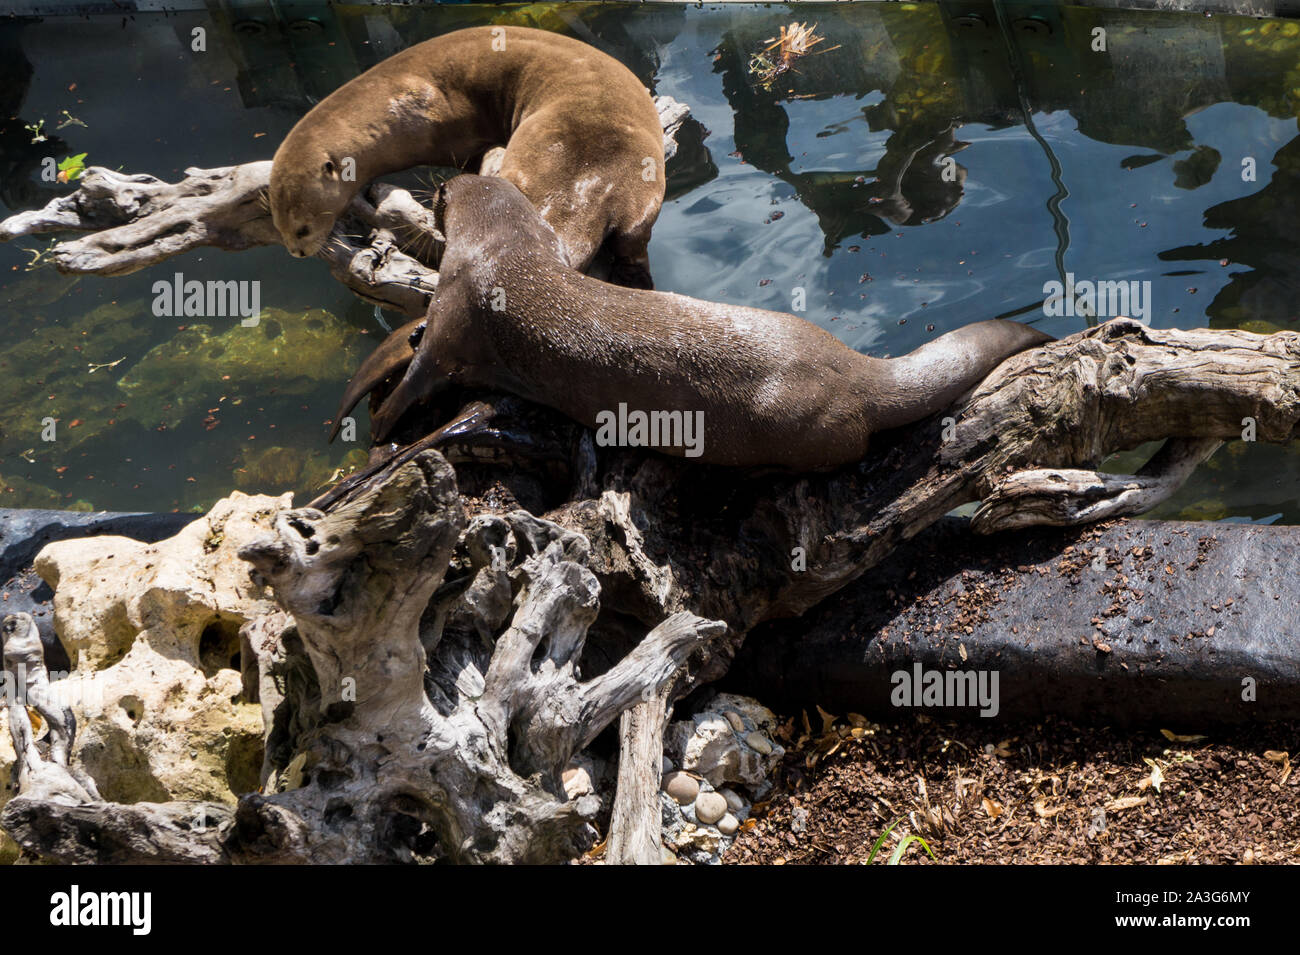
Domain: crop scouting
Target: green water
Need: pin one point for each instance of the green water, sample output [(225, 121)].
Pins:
[(1125, 165)]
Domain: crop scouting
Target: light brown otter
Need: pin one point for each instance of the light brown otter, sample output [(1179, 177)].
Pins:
[(583, 139), (774, 389)]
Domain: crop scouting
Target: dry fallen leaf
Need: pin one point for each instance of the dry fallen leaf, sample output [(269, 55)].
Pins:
[(1176, 738), (1156, 778), (1044, 811), (827, 720), (1283, 758), (992, 807), (1127, 802)]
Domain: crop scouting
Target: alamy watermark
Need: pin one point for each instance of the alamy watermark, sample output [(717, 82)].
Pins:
[(651, 429), (86, 693), (1106, 299), (212, 299), (947, 688), (77, 908)]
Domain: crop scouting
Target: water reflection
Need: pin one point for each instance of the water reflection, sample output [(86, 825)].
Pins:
[(940, 166)]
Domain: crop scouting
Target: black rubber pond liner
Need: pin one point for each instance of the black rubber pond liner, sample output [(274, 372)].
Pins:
[(1129, 622)]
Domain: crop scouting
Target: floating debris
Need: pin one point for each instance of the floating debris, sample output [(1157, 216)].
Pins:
[(69, 120), (796, 40), (92, 368), (39, 256), (71, 168)]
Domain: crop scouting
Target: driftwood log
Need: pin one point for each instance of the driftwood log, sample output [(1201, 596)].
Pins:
[(443, 645)]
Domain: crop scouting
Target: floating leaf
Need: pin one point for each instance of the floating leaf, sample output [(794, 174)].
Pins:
[(71, 168)]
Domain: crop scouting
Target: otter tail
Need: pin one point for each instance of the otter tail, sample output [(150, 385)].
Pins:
[(932, 377)]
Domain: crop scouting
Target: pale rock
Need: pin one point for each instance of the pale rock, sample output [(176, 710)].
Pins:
[(737, 724), (705, 745), (682, 787), (702, 840), (710, 807), (734, 801), (748, 708), (708, 746), (153, 633), (728, 825)]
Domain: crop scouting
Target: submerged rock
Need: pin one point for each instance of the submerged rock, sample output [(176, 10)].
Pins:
[(286, 353)]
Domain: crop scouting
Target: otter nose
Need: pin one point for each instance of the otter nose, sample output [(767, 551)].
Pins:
[(297, 253)]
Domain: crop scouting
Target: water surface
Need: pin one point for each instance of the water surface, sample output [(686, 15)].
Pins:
[(935, 166)]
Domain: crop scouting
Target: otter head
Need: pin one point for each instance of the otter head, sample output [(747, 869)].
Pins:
[(308, 194)]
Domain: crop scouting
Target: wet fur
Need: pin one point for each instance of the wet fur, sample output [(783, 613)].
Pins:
[(576, 124), (775, 389)]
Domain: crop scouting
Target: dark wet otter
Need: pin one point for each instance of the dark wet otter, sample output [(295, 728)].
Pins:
[(583, 139), (774, 389)]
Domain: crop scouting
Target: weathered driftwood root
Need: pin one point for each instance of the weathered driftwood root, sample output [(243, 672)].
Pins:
[(426, 668), (47, 776), (385, 248), (474, 754), (746, 550), (1064, 497), (439, 714), (635, 825)]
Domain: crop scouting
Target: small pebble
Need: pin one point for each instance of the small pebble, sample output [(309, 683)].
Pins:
[(734, 802), (667, 765), (682, 787), (759, 743), (728, 825), (710, 807), (736, 722)]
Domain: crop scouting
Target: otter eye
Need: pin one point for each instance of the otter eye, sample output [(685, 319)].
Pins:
[(302, 233), (328, 167)]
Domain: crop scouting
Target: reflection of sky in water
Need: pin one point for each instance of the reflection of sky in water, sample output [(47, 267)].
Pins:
[(157, 110)]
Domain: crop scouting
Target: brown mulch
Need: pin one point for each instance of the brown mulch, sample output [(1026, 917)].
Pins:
[(1047, 793)]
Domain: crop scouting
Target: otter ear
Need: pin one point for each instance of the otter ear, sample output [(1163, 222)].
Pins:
[(330, 170)]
